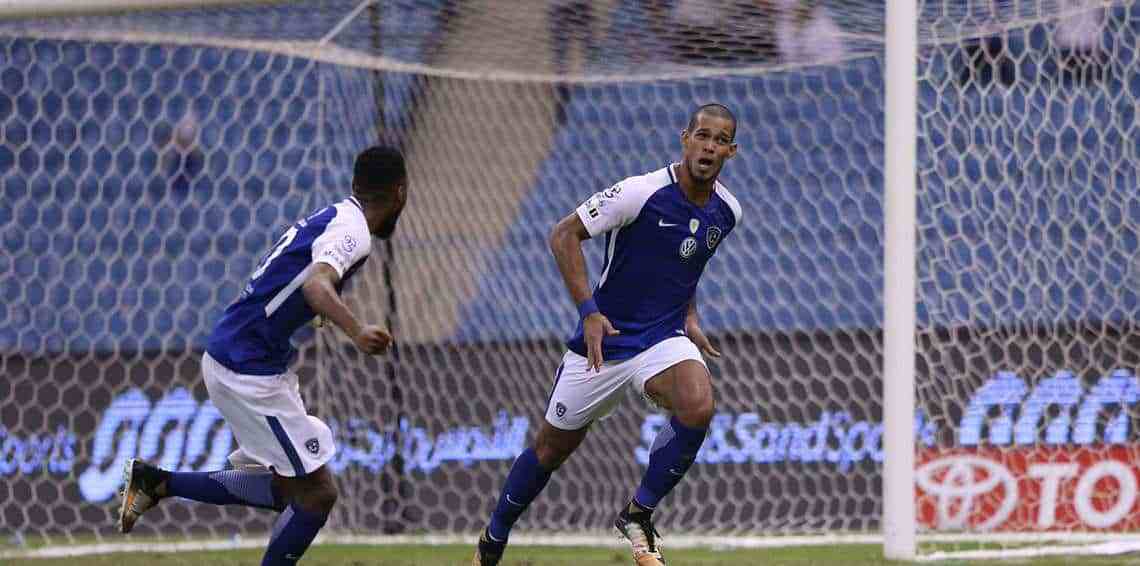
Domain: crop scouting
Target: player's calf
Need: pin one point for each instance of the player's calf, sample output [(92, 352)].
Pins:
[(311, 499)]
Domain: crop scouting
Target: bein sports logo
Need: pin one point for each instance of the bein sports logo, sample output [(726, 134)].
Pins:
[(1019, 411), (179, 433)]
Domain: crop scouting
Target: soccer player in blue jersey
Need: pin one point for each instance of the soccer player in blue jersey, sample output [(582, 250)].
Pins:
[(638, 327), (280, 462)]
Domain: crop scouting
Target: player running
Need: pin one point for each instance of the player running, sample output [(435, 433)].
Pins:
[(246, 367), (639, 326)]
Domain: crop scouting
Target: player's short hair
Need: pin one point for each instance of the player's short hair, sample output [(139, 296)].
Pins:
[(713, 109), (377, 171)]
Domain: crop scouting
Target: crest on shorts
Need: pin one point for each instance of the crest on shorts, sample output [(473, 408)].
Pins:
[(712, 236), (688, 247), (313, 446), (560, 410)]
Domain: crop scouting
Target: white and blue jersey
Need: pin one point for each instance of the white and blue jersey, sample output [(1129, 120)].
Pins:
[(253, 335), (657, 245)]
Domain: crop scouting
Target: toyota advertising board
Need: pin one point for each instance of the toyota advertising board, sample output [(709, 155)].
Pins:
[(1029, 489)]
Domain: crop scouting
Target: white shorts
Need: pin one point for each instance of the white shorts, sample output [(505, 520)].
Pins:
[(580, 396), (268, 419)]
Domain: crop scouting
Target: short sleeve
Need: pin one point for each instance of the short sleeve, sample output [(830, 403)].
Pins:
[(612, 208), (344, 242), (730, 200)]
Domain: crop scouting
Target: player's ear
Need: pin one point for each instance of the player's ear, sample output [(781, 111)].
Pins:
[(731, 151)]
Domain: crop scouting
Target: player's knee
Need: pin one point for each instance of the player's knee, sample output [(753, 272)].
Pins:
[(323, 499), (697, 414), (549, 456), (318, 496), (552, 452)]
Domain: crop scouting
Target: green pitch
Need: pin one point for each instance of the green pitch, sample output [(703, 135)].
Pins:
[(337, 555)]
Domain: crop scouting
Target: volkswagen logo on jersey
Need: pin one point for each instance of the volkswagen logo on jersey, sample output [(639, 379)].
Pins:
[(688, 247), (712, 236)]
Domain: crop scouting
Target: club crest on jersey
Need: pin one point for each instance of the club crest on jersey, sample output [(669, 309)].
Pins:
[(688, 247), (313, 446), (712, 236), (693, 225)]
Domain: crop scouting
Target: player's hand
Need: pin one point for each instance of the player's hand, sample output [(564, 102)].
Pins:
[(698, 337), (372, 340), (594, 328)]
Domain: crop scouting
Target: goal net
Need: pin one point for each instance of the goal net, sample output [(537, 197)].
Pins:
[(150, 156), (1028, 216)]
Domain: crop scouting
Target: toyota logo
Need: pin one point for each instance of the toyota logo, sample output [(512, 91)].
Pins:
[(958, 481)]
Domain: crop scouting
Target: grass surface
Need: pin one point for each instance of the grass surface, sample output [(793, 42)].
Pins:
[(454, 555)]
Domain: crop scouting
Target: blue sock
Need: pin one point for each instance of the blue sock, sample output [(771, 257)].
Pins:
[(524, 483), (292, 535), (671, 455), (230, 487)]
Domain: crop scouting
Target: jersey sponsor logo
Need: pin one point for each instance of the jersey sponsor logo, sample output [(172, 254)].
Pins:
[(712, 236), (693, 225), (662, 223), (688, 247), (313, 446)]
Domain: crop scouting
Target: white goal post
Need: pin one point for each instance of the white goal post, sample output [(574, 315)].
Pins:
[(900, 269)]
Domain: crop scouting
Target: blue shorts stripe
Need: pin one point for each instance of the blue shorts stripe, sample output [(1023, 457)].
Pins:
[(283, 438)]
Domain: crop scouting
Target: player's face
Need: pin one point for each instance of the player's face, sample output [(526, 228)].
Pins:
[(707, 146), (392, 212)]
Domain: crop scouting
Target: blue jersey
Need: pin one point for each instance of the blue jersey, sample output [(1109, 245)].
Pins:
[(657, 245), (253, 335)]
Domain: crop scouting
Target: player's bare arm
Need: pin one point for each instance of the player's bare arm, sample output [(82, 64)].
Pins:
[(320, 294), (566, 244), (694, 332)]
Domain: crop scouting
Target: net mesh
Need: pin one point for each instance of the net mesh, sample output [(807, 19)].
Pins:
[(1028, 218), (150, 158)]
